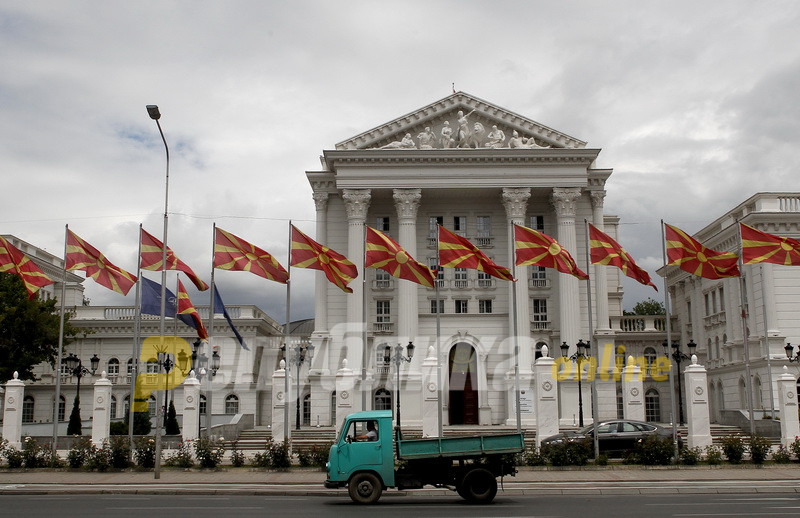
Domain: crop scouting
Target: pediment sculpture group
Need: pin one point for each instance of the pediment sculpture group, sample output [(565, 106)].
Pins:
[(466, 135)]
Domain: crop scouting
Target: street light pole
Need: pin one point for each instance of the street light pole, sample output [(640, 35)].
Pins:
[(300, 351), (678, 356), (398, 360), (580, 355), (76, 368)]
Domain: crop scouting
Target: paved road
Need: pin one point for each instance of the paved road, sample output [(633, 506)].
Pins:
[(578, 505)]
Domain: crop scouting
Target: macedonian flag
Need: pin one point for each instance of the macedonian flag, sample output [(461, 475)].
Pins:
[(152, 254), (13, 260), (458, 252), (307, 253), (234, 253), (760, 247), (606, 251), (188, 314), (534, 247), (690, 256), (83, 256), (383, 252)]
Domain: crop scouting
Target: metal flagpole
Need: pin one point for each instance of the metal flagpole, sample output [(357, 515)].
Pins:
[(673, 402), (137, 326), (210, 332), (364, 322), (516, 328), (59, 354), (746, 342), (766, 341), (438, 336), (287, 432), (593, 385)]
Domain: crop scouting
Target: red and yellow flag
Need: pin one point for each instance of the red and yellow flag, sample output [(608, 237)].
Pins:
[(188, 314), (606, 251), (152, 254), (760, 247), (307, 253), (83, 256), (690, 256), (234, 253), (383, 252), (534, 247), (458, 252), (13, 260)]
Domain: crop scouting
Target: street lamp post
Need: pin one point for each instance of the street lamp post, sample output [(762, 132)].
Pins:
[(300, 351), (789, 348), (165, 360), (397, 358), (580, 355), (76, 368), (678, 356)]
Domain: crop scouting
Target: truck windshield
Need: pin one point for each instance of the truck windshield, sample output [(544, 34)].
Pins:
[(363, 431)]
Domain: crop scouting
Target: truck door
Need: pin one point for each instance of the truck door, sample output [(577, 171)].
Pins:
[(363, 447)]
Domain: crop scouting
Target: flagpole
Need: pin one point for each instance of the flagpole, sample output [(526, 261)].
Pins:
[(438, 336), (746, 342), (516, 328), (364, 328), (766, 341), (59, 355), (595, 411), (210, 333), (287, 431), (668, 325), (136, 337)]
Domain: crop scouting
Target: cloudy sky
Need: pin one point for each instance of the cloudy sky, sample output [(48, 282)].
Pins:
[(694, 104)]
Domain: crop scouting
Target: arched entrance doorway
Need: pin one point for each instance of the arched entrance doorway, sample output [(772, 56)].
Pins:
[(463, 397)]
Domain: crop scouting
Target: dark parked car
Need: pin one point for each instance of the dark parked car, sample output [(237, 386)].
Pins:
[(614, 437)]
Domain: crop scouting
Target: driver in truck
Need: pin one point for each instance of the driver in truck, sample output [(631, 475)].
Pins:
[(370, 435)]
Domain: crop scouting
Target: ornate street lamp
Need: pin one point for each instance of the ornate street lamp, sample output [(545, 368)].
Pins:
[(76, 368), (581, 354), (398, 360), (302, 350), (789, 348), (678, 356)]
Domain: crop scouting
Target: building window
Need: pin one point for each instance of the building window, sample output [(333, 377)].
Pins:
[(382, 223), (333, 408), (382, 311), (537, 223), (460, 279), (27, 409), (62, 408), (112, 407), (460, 225), (382, 279), (652, 406), (151, 406), (484, 280), (152, 366), (202, 407), (620, 403), (307, 410), (129, 369), (708, 304), (688, 312), (484, 236), (113, 369), (433, 229), (383, 399), (714, 302), (619, 359), (721, 299), (485, 306), (437, 306), (650, 355), (126, 403), (539, 317), (232, 404), (461, 306), (538, 276), (538, 352)]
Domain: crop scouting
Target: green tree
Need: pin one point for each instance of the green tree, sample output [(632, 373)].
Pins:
[(171, 425), (74, 426), (647, 307), (28, 330)]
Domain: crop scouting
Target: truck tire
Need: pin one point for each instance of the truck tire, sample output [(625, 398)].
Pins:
[(478, 486), (365, 488)]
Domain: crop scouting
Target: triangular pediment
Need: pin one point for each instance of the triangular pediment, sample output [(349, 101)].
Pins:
[(463, 121)]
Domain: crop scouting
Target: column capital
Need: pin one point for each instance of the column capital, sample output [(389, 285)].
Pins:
[(321, 200), (515, 200), (597, 198), (406, 201), (564, 201), (356, 202)]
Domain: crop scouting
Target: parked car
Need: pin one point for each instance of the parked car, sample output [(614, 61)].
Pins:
[(614, 437)]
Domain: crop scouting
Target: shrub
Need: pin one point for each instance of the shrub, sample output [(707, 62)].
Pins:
[(141, 423), (145, 452), (733, 448), (171, 426), (691, 456), (237, 457), (279, 455), (534, 457), (782, 456), (13, 457), (304, 458), (654, 451), (713, 455), (261, 460), (795, 447), (32, 453), (51, 459), (209, 452), (120, 452), (601, 460), (568, 453), (759, 447), (182, 458), (118, 428), (319, 456), (79, 452), (99, 459)]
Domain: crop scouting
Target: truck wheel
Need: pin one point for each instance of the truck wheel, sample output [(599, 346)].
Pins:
[(478, 487), (365, 488)]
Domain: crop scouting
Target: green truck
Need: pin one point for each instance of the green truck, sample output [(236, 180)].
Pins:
[(363, 460)]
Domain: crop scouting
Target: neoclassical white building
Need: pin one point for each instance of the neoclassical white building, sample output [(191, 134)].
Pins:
[(477, 169), (709, 311)]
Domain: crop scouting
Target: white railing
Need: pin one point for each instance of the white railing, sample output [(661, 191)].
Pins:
[(383, 284), (539, 283), (789, 204), (460, 283), (382, 328), (540, 326), (484, 240), (639, 323), (485, 283)]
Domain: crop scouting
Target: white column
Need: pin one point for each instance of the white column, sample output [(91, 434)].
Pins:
[(101, 416), (787, 406), (356, 203), (406, 202), (430, 395), (12, 411), (515, 201), (320, 282), (191, 408), (564, 201), (347, 401), (279, 401), (633, 391), (546, 397), (598, 272), (698, 419)]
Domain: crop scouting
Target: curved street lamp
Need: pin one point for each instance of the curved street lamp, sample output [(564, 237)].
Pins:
[(581, 354), (398, 360), (678, 356)]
